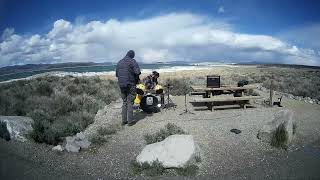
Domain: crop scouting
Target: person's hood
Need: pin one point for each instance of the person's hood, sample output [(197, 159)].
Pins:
[(130, 54)]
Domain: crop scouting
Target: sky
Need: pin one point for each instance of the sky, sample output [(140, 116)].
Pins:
[(231, 31)]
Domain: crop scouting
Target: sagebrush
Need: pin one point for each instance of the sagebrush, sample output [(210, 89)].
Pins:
[(170, 129), (59, 106)]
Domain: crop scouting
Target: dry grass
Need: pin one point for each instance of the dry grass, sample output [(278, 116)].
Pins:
[(170, 129)]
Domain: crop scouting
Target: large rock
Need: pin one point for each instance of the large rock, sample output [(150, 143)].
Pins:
[(18, 126), (280, 130), (175, 151), (75, 143)]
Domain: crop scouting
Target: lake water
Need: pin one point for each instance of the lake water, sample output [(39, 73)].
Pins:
[(109, 69)]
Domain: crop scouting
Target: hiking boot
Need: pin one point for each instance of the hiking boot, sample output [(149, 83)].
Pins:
[(132, 123), (124, 123)]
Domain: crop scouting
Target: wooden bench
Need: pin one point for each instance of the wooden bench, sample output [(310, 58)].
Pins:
[(203, 94), (242, 101), (197, 93)]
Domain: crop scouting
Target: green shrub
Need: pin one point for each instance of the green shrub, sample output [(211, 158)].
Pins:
[(43, 88), (4, 133), (107, 131), (294, 128), (155, 169), (190, 170), (41, 125), (98, 139), (60, 106), (280, 137), (87, 103), (170, 129), (62, 103)]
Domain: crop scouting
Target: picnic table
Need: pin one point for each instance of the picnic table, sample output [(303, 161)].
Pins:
[(222, 95)]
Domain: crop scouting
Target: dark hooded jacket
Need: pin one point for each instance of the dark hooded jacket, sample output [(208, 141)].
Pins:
[(128, 70)]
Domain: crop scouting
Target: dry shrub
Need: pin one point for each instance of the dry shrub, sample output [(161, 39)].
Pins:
[(59, 106)]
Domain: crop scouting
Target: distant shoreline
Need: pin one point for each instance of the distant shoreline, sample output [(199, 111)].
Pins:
[(108, 69), (145, 68)]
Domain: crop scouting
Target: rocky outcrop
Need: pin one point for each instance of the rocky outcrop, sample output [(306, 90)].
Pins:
[(280, 130), (108, 117), (176, 151), (18, 126), (77, 142)]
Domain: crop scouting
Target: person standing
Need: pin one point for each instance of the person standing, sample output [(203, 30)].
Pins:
[(127, 72)]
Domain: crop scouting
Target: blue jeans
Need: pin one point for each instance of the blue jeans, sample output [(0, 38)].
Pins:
[(128, 95)]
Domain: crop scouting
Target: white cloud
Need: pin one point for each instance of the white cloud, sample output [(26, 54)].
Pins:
[(306, 36), (181, 36), (221, 9)]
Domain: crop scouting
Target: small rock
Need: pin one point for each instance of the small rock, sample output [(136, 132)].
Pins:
[(236, 131), (75, 143), (84, 144), (71, 145), (58, 148), (80, 136), (72, 148)]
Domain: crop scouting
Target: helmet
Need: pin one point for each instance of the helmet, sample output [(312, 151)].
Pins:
[(159, 89), (140, 88), (155, 73)]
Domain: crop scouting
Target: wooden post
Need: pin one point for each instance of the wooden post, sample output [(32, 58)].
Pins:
[(271, 93)]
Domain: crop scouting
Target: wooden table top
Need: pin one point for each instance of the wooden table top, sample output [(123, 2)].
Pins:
[(201, 88), (224, 98)]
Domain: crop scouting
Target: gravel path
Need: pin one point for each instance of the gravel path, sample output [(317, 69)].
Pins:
[(225, 155)]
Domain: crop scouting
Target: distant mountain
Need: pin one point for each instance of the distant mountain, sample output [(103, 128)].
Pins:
[(42, 67)]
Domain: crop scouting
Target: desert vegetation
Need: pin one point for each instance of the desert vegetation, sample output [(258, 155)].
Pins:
[(298, 82), (59, 106), (157, 169), (168, 130), (103, 134)]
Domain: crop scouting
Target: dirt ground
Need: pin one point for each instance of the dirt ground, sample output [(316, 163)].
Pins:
[(224, 155)]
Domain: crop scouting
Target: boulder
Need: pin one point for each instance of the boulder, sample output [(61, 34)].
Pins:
[(176, 151), (280, 130), (18, 126), (71, 146), (82, 141), (77, 142)]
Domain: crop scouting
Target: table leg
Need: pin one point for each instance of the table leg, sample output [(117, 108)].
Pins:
[(210, 106)]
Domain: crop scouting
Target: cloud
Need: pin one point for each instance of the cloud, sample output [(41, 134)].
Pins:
[(175, 36), (221, 9), (306, 36)]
